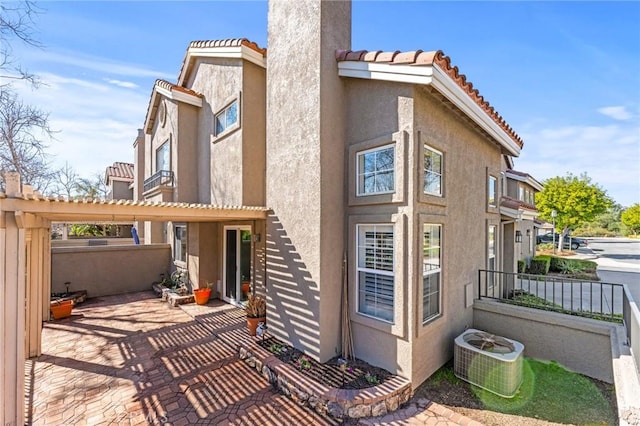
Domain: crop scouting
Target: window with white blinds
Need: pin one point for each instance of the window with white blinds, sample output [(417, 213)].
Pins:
[(375, 273), (431, 271)]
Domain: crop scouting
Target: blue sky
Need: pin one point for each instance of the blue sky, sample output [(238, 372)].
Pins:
[(565, 75)]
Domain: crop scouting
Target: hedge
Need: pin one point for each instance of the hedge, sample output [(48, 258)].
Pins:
[(540, 265), (564, 265), (522, 266)]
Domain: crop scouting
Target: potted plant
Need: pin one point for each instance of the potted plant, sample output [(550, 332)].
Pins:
[(61, 308), (202, 294), (256, 310)]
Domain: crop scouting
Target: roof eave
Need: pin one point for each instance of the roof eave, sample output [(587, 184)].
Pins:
[(434, 76), (175, 95), (229, 52)]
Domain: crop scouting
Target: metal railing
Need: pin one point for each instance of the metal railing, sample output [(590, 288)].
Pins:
[(592, 299), (163, 177)]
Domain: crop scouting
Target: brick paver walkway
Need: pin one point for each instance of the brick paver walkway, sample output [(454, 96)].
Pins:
[(131, 359)]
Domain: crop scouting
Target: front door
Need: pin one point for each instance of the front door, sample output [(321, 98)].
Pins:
[(237, 263)]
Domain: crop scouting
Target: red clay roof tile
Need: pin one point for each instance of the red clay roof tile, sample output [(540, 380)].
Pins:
[(420, 58), (120, 170)]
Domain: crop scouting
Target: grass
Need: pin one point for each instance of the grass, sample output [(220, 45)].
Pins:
[(548, 392)]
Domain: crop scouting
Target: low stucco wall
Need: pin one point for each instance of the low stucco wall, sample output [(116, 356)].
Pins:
[(85, 242), (582, 345), (107, 270)]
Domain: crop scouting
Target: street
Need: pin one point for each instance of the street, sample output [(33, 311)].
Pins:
[(618, 261)]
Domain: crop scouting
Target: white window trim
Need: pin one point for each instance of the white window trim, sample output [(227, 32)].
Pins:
[(359, 192), (432, 272), (167, 142), (176, 261), (495, 191), (359, 269), (427, 148), (237, 98)]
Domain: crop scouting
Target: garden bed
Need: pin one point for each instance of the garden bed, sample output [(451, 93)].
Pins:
[(357, 374)]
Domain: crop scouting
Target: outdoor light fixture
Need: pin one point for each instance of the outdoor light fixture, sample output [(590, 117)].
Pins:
[(518, 237), (528, 232)]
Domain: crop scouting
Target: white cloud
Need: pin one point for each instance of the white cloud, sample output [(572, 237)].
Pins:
[(97, 122), (125, 84), (610, 155), (615, 112), (94, 63)]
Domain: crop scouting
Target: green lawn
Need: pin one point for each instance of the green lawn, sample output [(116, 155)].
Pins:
[(548, 392)]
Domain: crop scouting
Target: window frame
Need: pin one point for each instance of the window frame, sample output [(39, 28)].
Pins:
[(390, 227), (426, 150), (167, 144), (429, 273), (235, 98), (494, 180), (181, 238), (360, 190)]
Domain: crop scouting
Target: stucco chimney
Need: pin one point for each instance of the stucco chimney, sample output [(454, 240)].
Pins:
[(12, 184), (305, 171)]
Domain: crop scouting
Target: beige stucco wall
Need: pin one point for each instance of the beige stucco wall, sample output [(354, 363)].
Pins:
[(120, 190), (254, 127), (380, 113), (580, 344), (305, 176), (184, 162), (106, 270)]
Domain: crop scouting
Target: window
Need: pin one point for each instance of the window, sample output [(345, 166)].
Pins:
[(491, 249), (431, 271), (492, 191), (375, 276), (375, 170), (163, 157), (226, 118), (180, 243), (432, 171), (520, 193)]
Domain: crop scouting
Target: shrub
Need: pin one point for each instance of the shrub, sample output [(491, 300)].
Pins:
[(572, 266), (540, 265), (522, 266)]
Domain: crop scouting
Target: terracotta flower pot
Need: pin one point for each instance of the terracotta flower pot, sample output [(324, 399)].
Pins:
[(62, 309), (246, 286), (252, 324), (202, 295)]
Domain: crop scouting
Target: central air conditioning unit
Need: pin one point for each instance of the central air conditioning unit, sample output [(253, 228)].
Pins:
[(488, 361)]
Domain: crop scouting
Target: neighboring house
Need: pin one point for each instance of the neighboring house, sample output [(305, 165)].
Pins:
[(119, 180), (387, 164), (519, 217)]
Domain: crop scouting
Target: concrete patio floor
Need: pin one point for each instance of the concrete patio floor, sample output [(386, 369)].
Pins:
[(131, 359)]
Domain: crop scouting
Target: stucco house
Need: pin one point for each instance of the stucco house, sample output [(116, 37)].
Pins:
[(119, 179), (519, 224), (386, 164)]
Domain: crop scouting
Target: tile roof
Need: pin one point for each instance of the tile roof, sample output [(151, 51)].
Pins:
[(207, 44), (437, 57), (512, 203), (123, 171), (155, 100)]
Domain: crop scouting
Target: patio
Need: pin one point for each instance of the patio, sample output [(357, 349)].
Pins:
[(131, 359)]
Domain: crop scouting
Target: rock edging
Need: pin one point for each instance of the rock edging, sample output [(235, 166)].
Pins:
[(326, 401)]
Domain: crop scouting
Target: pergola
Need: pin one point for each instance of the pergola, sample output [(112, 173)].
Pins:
[(25, 265)]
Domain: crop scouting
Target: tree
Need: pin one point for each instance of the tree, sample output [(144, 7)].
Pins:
[(23, 128), (93, 187), (66, 180), (22, 148), (631, 218), (574, 198)]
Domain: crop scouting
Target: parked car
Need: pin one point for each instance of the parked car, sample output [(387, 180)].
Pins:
[(548, 238)]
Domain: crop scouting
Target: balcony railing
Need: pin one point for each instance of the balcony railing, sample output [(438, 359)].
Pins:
[(592, 299), (161, 178)]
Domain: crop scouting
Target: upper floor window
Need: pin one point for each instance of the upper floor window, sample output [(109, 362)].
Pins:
[(163, 157), (375, 276), (375, 170), (431, 271), (226, 118), (180, 243), (491, 248), (521, 193), (432, 171), (493, 182)]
